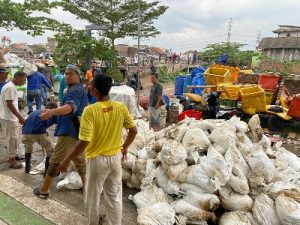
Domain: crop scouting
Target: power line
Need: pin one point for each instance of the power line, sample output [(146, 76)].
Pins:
[(229, 30)]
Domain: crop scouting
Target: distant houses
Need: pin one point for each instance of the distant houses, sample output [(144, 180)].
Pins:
[(284, 47)]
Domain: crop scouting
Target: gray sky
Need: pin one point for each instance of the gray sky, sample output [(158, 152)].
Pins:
[(192, 24)]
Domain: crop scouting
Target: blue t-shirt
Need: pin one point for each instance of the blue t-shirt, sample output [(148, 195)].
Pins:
[(34, 124), (67, 125), (35, 80)]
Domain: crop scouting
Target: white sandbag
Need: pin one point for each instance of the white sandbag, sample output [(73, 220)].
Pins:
[(264, 210), (256, 182), (126, 175), (158, 144), (129, 163), (150, 168), (238, 181), (233, 201), (261, 164), (139, 165), (193, 157), (191, 212), (197, 175), (135, 182), (275, 189), (173, 152), (39, 169), (150, 195), (203, 125), (288, 159), (223, 137), (217, 168), (288, 210), (171, 187), (160, 213), (195, 140), (178, 132), (288, 174), (185, 187), (71, 181), (173, 171), (139, 141), (237, 218), (143, 153), (241, 126), (219, 148), (206, 201), (265, 143), (256, 132), (234, 156)]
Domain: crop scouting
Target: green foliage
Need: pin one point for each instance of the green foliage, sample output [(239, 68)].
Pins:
[(120, 16), (236, 57), (164, 76), (21, 15), (73, 47)]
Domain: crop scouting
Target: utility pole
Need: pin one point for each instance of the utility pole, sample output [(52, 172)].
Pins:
[(229, 30), (258, 39), (139, 46)]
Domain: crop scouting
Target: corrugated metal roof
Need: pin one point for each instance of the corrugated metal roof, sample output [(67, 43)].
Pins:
[(279, 42)]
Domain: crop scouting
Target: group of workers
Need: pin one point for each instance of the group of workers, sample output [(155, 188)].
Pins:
[(90, 135)]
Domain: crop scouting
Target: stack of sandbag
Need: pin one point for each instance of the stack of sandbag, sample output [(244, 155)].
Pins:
[(211, 164)]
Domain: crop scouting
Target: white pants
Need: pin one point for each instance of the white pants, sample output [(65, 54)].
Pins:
[(10, 131), (104, 173)]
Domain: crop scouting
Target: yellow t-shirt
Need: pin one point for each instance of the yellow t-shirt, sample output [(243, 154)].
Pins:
[(101, 124)]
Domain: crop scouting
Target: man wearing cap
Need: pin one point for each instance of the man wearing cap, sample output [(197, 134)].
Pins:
[(67, 129), (10, 117), (3, 77)]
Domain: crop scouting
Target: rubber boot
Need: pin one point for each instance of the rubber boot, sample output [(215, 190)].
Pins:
[(46, 165), (27, 162)]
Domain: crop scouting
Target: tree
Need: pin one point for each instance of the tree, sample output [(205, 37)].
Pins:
[(120, 16), (73, 47), (20, 15), (236, 57)]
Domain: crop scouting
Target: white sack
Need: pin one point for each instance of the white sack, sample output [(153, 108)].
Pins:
[(206, 201), (173, 171), (223, 137), (171, 187), (217, 168), (173, 152), (203, 125), (241, 126), (71, 181), (238, 181), (185, 187), (160, 213), (234, 156), (288, 210), (150, 195), (197, 175), (191, 212), (233, 201), (178, 132), (261, 164), (237, 218), (195, 140), (288, 159), (264, 210)]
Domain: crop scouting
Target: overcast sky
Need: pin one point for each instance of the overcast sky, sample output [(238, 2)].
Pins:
[(192, 24)]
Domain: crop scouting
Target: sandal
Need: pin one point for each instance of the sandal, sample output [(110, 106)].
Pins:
[(16, 166), (37, 193)]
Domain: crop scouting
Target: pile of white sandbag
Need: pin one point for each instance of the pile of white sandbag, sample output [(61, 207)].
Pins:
[(187, 171)]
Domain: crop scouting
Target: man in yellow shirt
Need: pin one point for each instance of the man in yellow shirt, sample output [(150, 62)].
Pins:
[(101, 137)]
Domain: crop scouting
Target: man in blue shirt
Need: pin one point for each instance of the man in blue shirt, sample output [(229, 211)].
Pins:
[(34, 83), (67, 129), (3, 76), (35, 130)]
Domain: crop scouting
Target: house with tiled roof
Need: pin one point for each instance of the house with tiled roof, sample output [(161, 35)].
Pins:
[(284, 47)]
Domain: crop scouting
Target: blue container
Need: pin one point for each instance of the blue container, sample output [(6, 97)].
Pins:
[(179, 81), (187, 81)]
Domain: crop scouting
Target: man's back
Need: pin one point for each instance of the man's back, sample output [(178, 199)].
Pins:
[(101, 125)]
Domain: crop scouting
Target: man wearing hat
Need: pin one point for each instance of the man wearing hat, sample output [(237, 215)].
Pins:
[(67, 129)]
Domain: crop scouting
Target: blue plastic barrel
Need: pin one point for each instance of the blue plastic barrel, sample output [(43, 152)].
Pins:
[(187, 81), (179, 81)]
